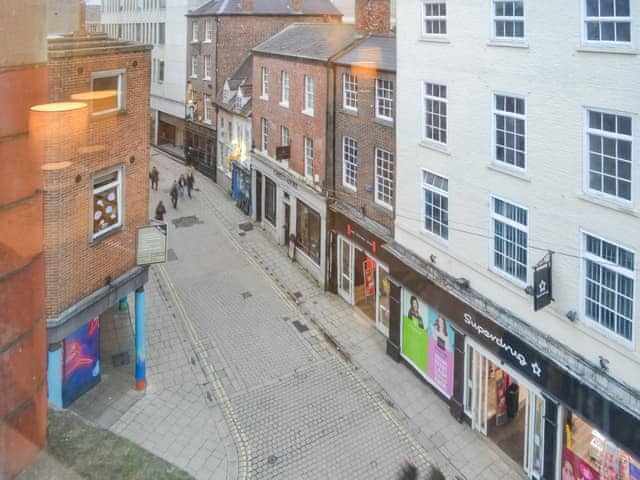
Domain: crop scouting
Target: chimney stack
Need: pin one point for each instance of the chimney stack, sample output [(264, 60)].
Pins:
[(80, 29), (373, 16), (246, 5), (296, 5)]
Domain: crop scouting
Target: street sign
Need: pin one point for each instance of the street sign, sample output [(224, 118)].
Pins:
[(151, 244), (542, 295)]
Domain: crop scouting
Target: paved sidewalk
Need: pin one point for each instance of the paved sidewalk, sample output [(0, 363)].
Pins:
[(383, 399)]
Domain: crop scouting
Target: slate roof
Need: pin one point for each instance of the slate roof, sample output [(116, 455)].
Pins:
[(315, 41), (375, 51), (265, 7), (241, 79)]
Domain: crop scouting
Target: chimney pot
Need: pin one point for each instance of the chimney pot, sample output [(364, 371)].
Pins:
[(246, 5), (373, 16), (296, 5)]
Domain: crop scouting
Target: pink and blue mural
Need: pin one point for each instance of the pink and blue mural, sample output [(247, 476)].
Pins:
[(81, 369)]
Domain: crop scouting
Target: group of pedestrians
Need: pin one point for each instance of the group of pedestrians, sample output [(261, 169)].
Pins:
[(184, 184)]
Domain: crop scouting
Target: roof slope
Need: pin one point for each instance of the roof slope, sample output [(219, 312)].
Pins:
[(265, 7), (375, 51), (316, 41)]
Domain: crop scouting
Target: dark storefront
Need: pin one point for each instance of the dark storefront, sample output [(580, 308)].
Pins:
[(544, 417), (241, 187), (200, 148)]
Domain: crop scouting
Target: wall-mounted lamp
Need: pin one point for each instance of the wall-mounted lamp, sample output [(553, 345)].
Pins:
[(433, 258), (132, 159), (528, 290), (572, 315), (604, 363), (462, 282)]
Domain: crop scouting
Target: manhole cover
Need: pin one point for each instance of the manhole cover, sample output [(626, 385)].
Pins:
[(171, 255), (186, 222), (246, 295), (272, 459), (120, 359), (246, 227), (297, 294), (300, 326)]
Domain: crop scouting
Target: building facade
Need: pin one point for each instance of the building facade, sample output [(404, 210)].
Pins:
[(93, 140), (23, 81), (519, 187), (220, 36), (161, 23), (361, 215)]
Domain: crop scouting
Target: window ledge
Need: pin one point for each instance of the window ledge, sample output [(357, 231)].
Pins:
[(508, 43), (434, 146), (383, 121), (193, 76), (95, 241), (307, 112), (614, 49), (284, 105), (350, 187), (382, 205), (206, 41), (512, 172), (612, 204), (427, 39), (346, 111), (264, 97)]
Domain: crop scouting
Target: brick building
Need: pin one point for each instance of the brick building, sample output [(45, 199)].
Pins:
[(94, 144), (220, 35), (292, 135), (23, 390), (362, 215)]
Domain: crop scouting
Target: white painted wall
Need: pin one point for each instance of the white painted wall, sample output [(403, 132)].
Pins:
[(559, 78)]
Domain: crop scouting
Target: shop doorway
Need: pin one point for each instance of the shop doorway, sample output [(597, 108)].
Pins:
[(363, 282), (287, 223), (505, 408)]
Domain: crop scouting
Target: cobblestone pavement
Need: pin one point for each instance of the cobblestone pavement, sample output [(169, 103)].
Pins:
[(290, 381)]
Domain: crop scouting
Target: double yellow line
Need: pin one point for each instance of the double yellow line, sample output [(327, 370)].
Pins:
[(244, 454)]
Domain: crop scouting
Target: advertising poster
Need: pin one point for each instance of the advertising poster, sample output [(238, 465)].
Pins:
[(574, 468), (428, 342), (81, 361), (634, 472)]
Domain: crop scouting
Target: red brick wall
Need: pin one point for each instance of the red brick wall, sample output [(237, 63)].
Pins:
[(373, 16), (300, 125), (76, 265), (370, 133)]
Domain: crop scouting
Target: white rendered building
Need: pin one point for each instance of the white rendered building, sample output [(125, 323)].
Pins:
[(163, 24), (517, 136)]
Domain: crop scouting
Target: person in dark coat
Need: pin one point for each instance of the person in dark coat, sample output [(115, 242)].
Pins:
[(182, 184), (154, 175), (174, 194), (160, 211), (190, 181)]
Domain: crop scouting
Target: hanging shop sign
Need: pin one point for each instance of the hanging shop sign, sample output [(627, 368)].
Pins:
[(542, 294), (283, 153), (151, 244)]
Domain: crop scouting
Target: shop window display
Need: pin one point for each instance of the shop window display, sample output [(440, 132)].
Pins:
[(308, 228)]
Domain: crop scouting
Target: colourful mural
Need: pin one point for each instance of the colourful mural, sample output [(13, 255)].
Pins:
[(81, 361)]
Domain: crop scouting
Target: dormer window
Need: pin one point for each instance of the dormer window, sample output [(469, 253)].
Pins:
[(226, 93), (239, 100)]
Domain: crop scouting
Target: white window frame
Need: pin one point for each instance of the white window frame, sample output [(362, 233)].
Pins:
[(264, 135), (614, 19), (437, 191), (309, 95), (615, 136), (208, 31), (380, 159), (515, 116), (194, 66), (518, 226), (120, 95), (442, 100), (308, 157), (195, 31), (264, 83), (285, 87), (119, 184), (433, 18), (619, 270), (504, 18), (285, 137), (349, 92), (208, 108), (383, 99), (207, 67), (351, 143)]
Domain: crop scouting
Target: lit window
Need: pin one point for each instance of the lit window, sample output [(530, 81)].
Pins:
[(608, 21), (609, 140), (508, 20), (510, 239), (384, 99), (436, 204), (609, 275), (384, 178), (108, 92), (107, 201), (349, 92), (434, 18), (308, 95), (308, 157), (435, 109), (349, 162), (510, 135)]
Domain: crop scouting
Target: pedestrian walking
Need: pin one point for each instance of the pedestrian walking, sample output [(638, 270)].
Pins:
[(154, 175), (174, 194), (182, 183), (160, 211), (190, 181)]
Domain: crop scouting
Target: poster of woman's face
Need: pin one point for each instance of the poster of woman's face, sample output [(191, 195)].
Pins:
[(440, 328)]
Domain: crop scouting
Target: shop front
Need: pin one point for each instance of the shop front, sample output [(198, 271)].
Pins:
[(241, 187), (359, 274), (292, 212), (543, 416), (200, 148)]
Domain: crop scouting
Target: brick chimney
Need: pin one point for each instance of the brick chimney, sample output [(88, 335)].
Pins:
[(296, 5), (373, 16), (246, 5), (80, 29)]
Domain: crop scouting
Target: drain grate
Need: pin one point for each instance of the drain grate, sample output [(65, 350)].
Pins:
[(120, 359), (186, 222), (246, 295), (246, 227), (272, 459), (300, 326), (297, 294)]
